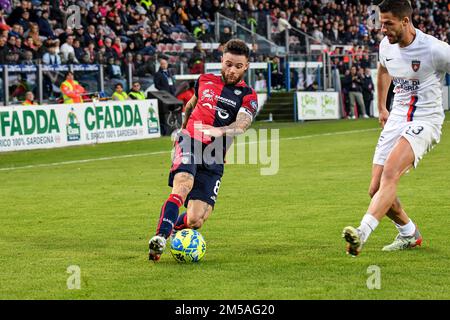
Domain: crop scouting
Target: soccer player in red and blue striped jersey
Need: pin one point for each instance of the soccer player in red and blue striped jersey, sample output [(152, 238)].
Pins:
[(223, 106)]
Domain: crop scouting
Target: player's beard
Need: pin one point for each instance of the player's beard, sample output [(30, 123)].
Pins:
[(228, 81), (395, 37)]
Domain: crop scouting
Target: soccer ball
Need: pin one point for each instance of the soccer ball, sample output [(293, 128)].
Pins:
[(188, 245)]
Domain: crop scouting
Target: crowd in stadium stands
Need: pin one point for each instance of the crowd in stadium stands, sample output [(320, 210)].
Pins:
[(123, 33), (118, 30)]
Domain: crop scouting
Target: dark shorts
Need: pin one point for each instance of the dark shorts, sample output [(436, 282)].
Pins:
[(207, 175)]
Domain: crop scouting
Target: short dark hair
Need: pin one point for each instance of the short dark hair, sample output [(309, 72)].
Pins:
[(238, 47), (398, 8)]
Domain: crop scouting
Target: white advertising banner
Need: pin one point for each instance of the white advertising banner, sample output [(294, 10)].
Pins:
[(262, 98), (317, 105), (62, 125)]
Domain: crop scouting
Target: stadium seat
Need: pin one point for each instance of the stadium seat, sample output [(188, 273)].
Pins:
[(161, 47), (177, 48), (183, 36), (173, 59), (169, 47)]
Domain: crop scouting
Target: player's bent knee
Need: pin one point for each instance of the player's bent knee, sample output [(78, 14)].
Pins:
[(194, 223), (390, 175)]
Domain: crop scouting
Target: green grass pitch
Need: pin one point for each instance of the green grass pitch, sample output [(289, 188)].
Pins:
[(270, 237)]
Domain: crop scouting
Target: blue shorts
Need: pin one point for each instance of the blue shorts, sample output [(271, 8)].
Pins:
[(207, 176)]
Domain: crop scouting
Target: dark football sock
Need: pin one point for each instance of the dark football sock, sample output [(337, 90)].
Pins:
[(169, 215), (181, 222)]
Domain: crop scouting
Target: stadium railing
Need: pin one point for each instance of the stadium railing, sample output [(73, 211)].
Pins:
[(45, 80), (264, 46)]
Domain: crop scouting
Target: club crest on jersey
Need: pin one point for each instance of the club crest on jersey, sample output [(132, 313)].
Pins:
[(415, 65), (237, 92), (208, 95)]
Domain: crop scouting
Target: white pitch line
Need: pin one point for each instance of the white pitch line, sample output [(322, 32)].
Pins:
[(331, 134), (55, 164)]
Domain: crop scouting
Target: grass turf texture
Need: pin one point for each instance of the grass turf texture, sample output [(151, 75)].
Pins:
[(270, 237)]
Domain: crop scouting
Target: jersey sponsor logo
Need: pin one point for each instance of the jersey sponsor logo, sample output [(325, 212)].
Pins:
[(210, 96), (226, 101), (406, 85), (254, 105), (223, 114), (415, 64), (389, 59)]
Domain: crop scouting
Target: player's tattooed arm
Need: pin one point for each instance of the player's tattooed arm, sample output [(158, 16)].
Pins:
[(188, 110), (242, 123)]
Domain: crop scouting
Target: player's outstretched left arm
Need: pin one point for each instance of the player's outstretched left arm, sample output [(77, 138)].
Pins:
[(242, 123)]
